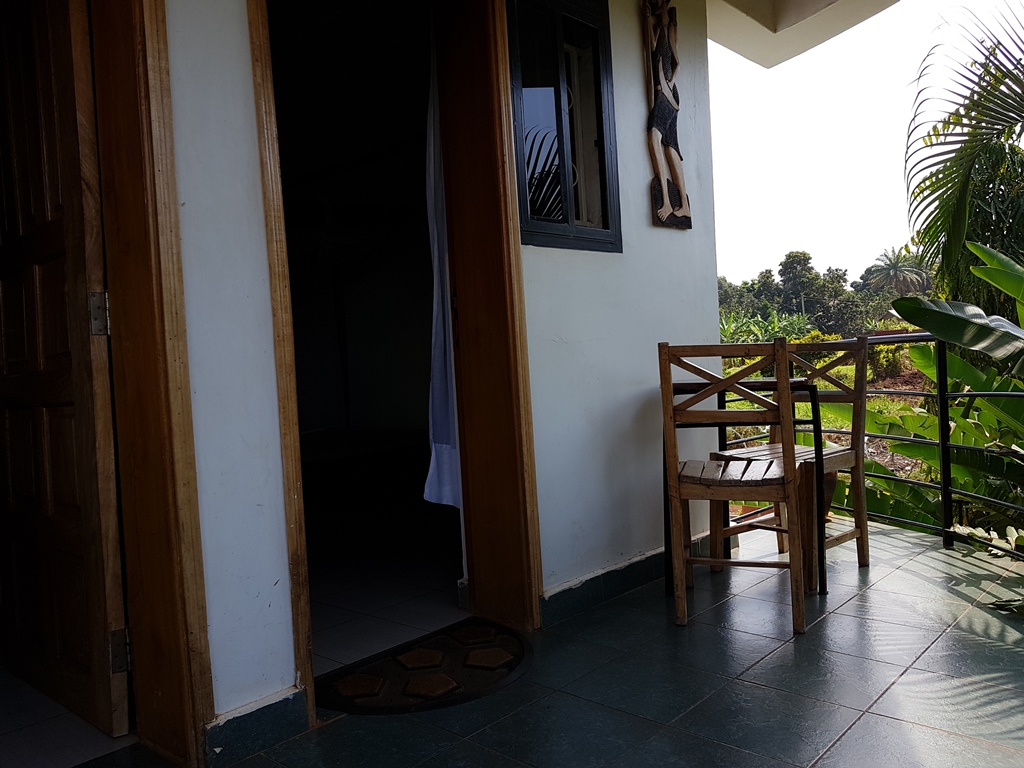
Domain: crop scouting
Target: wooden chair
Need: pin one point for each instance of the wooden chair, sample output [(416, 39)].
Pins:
[(830, 389), (696, 403)]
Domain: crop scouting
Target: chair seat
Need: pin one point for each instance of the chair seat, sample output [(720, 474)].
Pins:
[(835, 457), (733, 471)]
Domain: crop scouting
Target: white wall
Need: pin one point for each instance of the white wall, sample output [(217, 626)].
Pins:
[(231, 353), (594, 321)]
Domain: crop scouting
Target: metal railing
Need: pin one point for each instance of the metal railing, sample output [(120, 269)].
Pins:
[(947, 492)]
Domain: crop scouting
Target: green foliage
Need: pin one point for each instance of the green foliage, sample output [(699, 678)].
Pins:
[(826, 299), (817, 337), (737, 329), (887, 360), (968, 325), (898, 270), (734, 299), (993, 423), (964, 165)]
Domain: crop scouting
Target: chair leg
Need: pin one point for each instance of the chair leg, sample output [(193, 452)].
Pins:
[(780, 537), (796, 571), (858, 495), (809, 526), (718, 512), (682, 568)]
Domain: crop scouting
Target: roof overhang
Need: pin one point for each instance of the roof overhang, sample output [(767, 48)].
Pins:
[(769, 32)]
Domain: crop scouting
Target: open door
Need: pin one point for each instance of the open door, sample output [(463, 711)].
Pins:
[(60, 566)]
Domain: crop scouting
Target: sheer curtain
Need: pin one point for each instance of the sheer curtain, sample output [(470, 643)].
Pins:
[(444, 479)]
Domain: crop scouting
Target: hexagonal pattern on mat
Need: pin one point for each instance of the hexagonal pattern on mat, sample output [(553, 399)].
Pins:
[(469, 659)]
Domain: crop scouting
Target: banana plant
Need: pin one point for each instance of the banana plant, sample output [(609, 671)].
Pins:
[(967, 325)]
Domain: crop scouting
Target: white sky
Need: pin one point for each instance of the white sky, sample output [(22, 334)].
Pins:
[(808, 155)]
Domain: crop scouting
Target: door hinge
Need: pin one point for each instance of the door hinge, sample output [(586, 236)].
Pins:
[(120, 654), (99, 313)]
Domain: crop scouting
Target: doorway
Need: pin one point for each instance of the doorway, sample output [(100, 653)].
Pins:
[(384, 563)]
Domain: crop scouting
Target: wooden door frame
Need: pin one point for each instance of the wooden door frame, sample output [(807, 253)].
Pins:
[(165, 586), (499, 489), (165, 589), (492, 378)]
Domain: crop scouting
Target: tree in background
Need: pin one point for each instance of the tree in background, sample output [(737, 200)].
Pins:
[(823, 300), (735, 299), (897, 269), (800, 282), (964, 163)]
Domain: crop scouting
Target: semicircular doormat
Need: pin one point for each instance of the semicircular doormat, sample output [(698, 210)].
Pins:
[(463, 661)]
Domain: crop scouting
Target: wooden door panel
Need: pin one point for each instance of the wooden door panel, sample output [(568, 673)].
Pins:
[(16, 325), (52, 303), (61, 570)]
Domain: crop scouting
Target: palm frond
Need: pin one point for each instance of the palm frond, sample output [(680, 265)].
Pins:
[(970, 97)]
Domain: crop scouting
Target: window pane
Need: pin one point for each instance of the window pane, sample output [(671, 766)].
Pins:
[(538, 51), (582, 79)]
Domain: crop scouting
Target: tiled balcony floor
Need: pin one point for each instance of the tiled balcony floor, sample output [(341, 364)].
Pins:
[(901, 665)]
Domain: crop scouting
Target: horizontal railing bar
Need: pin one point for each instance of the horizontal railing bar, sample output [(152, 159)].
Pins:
[(989, 500), (913, 392), (905, 480)]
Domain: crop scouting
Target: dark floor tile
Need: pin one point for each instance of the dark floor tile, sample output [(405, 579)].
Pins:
[(649, 686), (360, 638), (352, 742), (58, 741), (629, 577), (257, 761), (138, 756), (23, 705), (819, 674), (325, 615), (983, 646), (748, 614), (869, 639), (614, 626), (563, 731), (570, 602), (777, 590), (848, 574), (943, 575), (373, 595), (940, 701), (728, 581), (880, 742), (686, 750), (720, 650), (772, 723), (936, 615), (560, 659), (466, 754), (649, 597), (469, 717)]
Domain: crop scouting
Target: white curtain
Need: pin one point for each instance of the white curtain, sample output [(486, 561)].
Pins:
[(444, 479)]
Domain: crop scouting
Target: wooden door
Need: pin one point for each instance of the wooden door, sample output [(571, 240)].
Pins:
[(60, 565)]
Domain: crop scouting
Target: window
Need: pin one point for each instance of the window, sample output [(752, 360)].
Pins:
[(565, 124)]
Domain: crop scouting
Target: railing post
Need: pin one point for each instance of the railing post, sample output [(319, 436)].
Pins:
[(945, 472)]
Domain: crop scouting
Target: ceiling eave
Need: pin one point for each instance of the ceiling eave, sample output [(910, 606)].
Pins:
[(769, 32)]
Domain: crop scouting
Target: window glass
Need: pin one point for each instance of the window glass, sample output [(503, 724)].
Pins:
[(561, 77), (541, 122)]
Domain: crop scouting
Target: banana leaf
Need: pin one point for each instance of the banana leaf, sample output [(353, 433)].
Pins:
[(1002, 272), (966, 325), (1009, 410)]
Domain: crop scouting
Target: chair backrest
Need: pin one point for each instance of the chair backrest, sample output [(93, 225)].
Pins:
[(844, 353), (696, 401)]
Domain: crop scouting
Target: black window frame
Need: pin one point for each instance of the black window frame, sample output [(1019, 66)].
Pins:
[(569, 234)]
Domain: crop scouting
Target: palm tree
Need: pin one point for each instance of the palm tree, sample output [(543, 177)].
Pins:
[(963, 160), (899, 269)]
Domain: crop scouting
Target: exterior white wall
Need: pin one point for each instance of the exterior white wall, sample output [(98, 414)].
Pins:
[(231, 352), (594, 321)]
